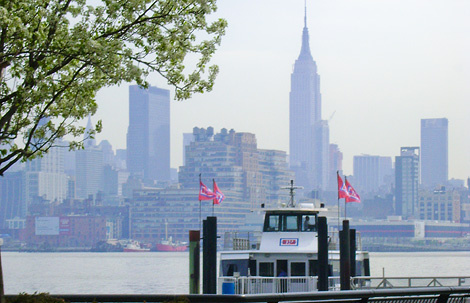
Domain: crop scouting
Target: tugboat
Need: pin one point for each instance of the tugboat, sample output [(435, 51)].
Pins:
[(167, 244), (285, 259), (135, 246)]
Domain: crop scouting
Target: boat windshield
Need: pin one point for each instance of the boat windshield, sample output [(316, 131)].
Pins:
[(291, 222)]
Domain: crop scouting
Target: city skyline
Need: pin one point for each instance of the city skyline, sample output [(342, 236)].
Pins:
[(380, 77)]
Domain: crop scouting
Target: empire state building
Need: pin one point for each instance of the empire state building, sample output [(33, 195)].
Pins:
[(308, 134)]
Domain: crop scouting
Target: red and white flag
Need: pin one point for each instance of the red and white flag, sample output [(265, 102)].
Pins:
[(342, 190), (353, 196), (205, 193), (219, 196)]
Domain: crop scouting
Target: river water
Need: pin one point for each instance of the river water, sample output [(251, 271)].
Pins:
[(167, 273)]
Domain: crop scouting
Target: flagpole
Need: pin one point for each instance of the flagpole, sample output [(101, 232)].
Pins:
[(337, 186), (345, 203), (200, 207), (213, 189)]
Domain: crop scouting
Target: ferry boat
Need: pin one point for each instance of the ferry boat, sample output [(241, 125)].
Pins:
[(285, 259)]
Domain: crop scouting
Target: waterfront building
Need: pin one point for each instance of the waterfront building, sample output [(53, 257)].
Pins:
[(308, 135), (398, 229), (377, 207), (64, 231), (158, 213), (439, 205), (212, 157), (434, 152), (12, 200), (235, 162), (148, 135), (406, 182)]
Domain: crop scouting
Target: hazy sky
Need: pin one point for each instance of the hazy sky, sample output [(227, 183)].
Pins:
[(384, 65)]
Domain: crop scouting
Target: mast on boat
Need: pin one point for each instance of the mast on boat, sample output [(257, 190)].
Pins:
[(292, 189)]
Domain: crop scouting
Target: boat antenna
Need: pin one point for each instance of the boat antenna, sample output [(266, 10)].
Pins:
[(292, 189)]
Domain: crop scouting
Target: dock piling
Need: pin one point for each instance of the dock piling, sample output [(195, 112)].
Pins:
[(194, 261)]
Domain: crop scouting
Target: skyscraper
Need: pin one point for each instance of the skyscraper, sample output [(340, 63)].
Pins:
[(321, 152), (88, 168), (336, 164), (308, 135), (148, 135), (45, 177), (406, 182), (434, 152), (12, 201), (371, 173)]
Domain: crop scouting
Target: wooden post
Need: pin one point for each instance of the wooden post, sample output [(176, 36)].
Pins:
[(322, 254), (352, 251), (344, 257), (209, 258), (194, 261)]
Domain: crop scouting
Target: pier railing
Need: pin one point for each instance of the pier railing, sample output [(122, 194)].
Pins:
[(272, 285), (267, 285), (405, 295), (407, 282)]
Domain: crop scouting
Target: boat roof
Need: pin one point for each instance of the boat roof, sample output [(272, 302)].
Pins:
[(302, 209)]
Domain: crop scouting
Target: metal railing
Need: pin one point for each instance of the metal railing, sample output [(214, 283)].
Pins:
[(272, 285), (267, 285), (428, 295), (407, 282)]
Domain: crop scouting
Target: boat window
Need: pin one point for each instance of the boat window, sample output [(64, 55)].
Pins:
[(231, 266), (297, 269), (272, 223), (231, 269), (252, 267), (309, 223), (291, 223), (266, 269), (313, 268)]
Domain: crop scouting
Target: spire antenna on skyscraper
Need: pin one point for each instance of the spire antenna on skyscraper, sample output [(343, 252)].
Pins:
[(305, 16)]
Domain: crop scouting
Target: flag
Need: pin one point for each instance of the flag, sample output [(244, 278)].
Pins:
[(342, 190), (219, 196), (353, 196), (205, 193)]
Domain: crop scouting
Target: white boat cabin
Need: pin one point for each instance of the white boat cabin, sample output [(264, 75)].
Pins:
[(288, 251)]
